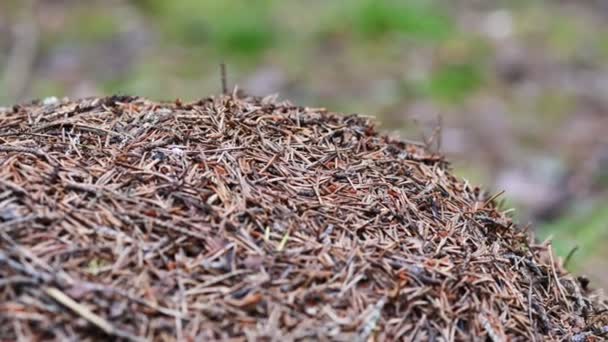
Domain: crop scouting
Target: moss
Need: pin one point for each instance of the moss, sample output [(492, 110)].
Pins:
[(233, 28), (453, 82), (373, 19)]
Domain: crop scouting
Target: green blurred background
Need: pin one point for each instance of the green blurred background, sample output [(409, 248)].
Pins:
[(521, 86)]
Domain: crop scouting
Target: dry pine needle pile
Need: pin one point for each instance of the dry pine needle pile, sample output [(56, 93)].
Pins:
[(253, 219)]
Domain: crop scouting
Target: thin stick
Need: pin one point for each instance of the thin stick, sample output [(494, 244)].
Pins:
[(224, 78), (569, 256), (87, 314)]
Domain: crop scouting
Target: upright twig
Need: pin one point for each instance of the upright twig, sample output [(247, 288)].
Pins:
[(224, 78)]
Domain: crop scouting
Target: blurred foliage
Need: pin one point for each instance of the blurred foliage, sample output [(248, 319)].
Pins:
[(86, 25), (373, 19), (232, 27), (243, 33), (585, 229), (453, 82), (195, 35)]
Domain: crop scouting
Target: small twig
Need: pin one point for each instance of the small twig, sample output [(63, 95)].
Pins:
[(283, 242), (557, 282), (530, 298), (569, 256), (78, 126), (439, 131), (14, 187), (491, 199), (8, 148), (372, 320), (39, 154), (584, 336), (87, 314), (495, 335), (224, 78)]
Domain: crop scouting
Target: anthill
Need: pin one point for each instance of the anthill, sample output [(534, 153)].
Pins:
[(254, 219)]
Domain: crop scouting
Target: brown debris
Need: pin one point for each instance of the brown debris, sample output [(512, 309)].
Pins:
[(253, 219)]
